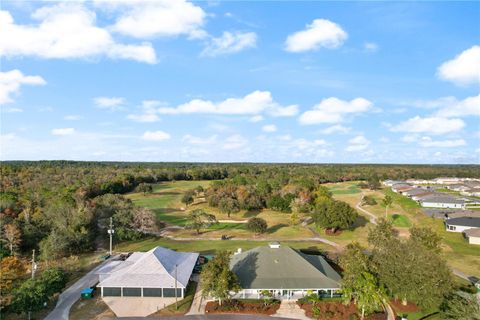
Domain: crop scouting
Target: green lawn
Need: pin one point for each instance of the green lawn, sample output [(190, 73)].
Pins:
[(209, 246), (183, 306), (228, 226), (405, 202), (164, 201), (344, 188), (399, 221)]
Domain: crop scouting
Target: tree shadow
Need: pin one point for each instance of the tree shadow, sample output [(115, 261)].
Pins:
[(165, 210), (360, 222), (245, 269), (251, 213), (276, 227)]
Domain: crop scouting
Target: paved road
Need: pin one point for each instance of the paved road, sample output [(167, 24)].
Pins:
[(72, 294)]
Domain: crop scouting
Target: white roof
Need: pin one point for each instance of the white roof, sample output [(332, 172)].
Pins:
[(153, 269)]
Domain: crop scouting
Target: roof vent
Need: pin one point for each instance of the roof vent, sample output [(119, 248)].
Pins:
[(274, 245)]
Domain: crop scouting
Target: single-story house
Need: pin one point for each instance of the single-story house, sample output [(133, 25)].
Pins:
[(402, 187), (418, 181), (441, 201), (416, 191), (475, 192), (390, 183), (447, 180), (473, 235), (461, 224), (285, 272), (148, 281), (425, 194), (457, 187)]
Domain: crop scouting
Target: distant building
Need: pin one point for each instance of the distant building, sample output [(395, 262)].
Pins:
[(473, 192), (401, 187), (284, 272), (416, 191), (390, 183), (461, 224), (447, 180), (473, 235), (147, 281), (442, 201), (458, 187)]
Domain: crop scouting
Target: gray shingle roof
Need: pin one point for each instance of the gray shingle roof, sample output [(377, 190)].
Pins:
[(153, 269), (436, 198), (283, 268), (473, 222), (474, 232)]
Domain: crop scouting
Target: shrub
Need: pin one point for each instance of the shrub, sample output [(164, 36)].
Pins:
[(316, 311), (257, 225)]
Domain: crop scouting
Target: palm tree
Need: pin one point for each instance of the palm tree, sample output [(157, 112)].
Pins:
[(387, 201)]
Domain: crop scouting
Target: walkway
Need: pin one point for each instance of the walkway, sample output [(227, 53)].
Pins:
[(290, 309), (72, 294), (373, 218), (198, 303)]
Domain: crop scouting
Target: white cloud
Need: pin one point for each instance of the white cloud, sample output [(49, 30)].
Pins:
[(66, 31), (63, 131), (320, 33), (433, 125), (257, 118), (230, 43), (358, 143), (370, 47), (269, 128), (112, 103), (336, 129), (464, 69), (428, 142), (160, 18), (235, 142), (332, 110), (253, 103), (149, 112), (72, 117), (155, 136), (10, 110), (199, 141), (453, 108), (10, 82)]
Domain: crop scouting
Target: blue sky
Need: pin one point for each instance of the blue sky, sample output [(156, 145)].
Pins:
[(379, 82)]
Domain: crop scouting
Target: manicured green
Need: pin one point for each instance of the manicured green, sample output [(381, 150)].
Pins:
[(344, 189), (399, 220), (227, 226), (405, 202)]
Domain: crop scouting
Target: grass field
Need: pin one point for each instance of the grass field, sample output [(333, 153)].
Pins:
[(211, 247), (164, 201), (344, 188), (399, 221)]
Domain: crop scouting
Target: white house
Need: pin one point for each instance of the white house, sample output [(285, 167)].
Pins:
[(147, 281), (461, 224), (447, 180), (441, 201), (285, 272), (473, 235)]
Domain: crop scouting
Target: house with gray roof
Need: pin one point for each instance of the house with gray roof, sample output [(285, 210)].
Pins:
[(461, 224), (473, 235), (147, 281), (442, 201), (285, 272)]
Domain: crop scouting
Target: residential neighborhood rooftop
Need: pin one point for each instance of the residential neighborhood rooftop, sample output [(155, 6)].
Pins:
[(464, 221)]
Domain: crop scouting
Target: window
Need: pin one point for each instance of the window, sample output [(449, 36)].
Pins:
[(132, 292), (112, 292), (170, 292), (152, 292)]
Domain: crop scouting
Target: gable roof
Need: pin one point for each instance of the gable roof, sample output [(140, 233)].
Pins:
[(473, 222), (283, 268), (472, 233), (153, 269), (436, 198)]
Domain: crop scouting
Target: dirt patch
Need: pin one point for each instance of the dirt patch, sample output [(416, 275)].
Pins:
[(336, 311), (245, 307), (398, 307), (333, 232)]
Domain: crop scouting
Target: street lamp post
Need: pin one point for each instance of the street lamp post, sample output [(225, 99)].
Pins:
[(111, 232)]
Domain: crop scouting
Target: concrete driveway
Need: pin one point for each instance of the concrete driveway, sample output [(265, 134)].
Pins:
[(72, 294)]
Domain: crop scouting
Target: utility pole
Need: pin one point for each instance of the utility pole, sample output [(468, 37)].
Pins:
[(176, 298), (111, 232), (34, 268)]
